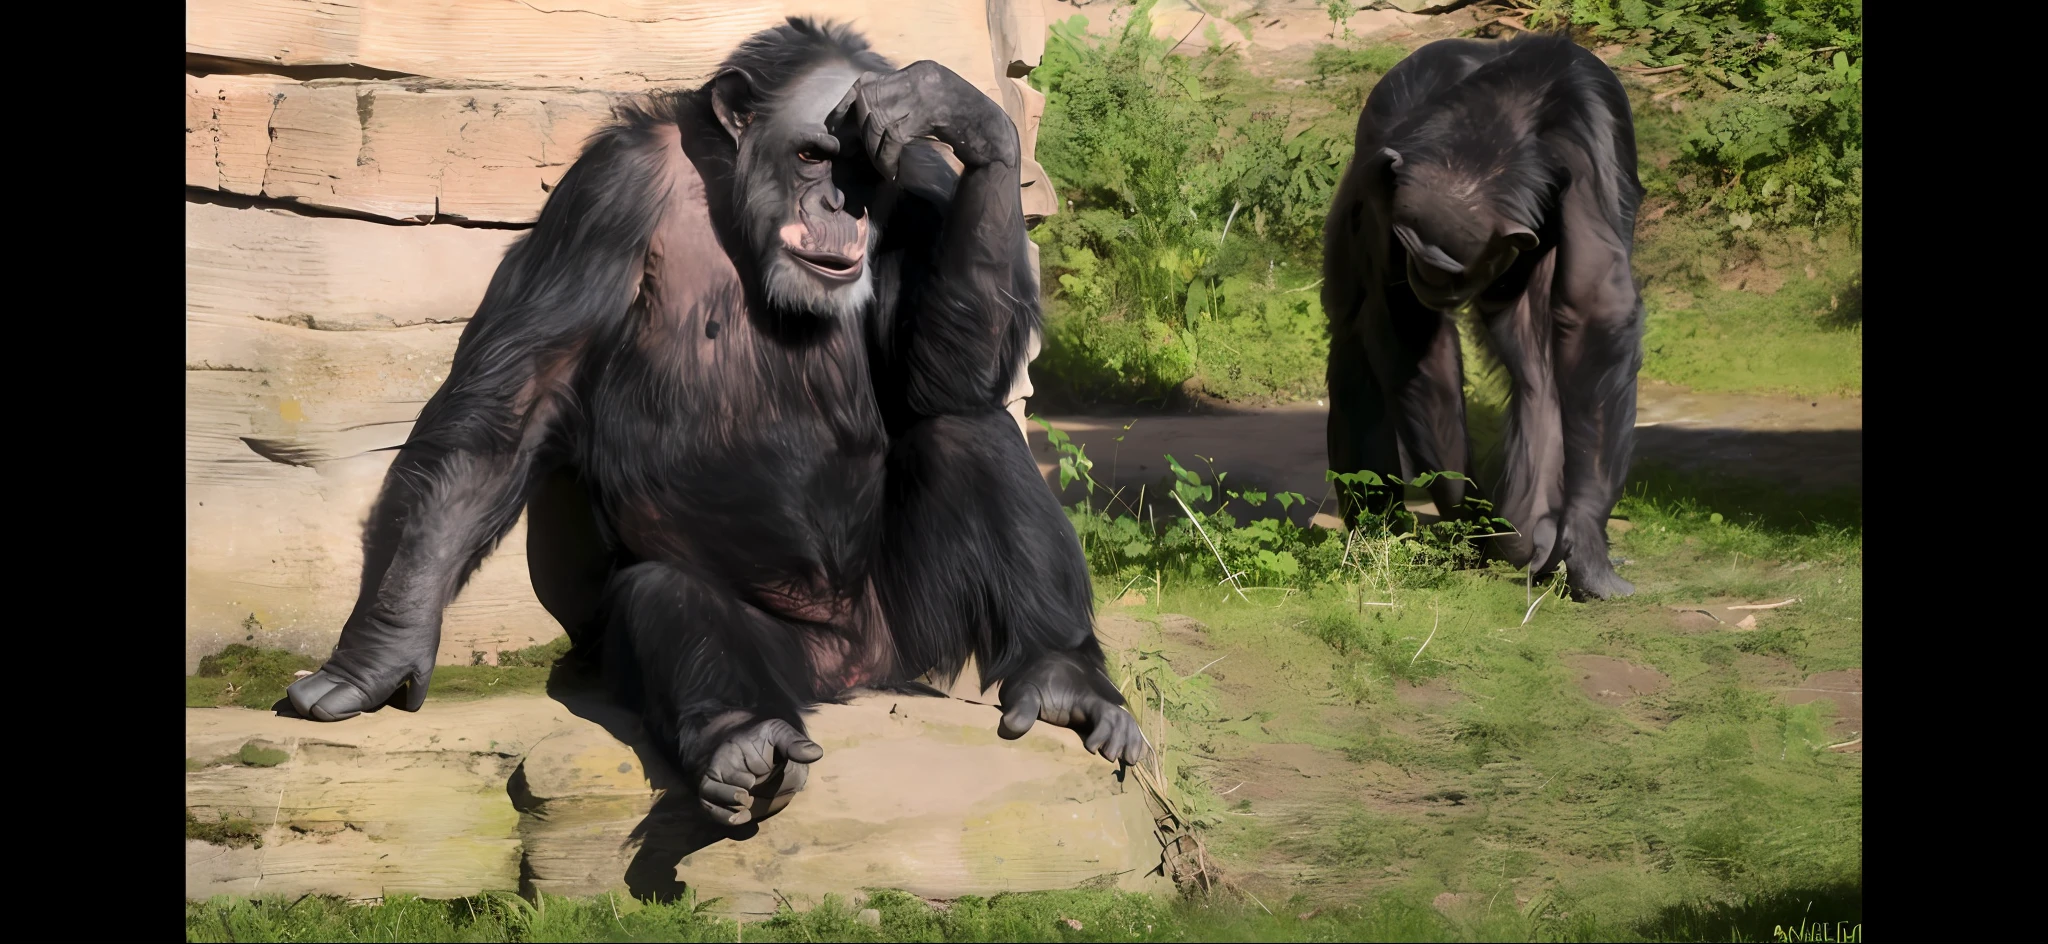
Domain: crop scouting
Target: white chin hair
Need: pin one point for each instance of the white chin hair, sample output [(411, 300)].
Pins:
[(792, 288)]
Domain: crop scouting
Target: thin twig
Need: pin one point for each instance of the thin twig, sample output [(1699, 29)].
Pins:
[(1858, 739), (792, 910), (1212, 546), (1532, 607), (1764, 606), (1191, 30), (1434, 620), (1204, 668), (1660, 70)]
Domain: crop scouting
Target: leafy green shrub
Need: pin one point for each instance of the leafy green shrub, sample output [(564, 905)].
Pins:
[(1775, 88), (1192, 223), (1384, 554)]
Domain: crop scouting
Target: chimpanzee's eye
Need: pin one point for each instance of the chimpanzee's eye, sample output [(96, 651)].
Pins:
[(811, 155)]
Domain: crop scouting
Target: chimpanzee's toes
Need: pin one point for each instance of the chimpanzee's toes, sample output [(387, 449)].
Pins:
[(1600, 585), (322, 697)]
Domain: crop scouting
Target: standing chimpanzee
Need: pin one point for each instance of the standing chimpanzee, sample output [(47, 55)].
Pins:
[(749, 371), (1499, 176)]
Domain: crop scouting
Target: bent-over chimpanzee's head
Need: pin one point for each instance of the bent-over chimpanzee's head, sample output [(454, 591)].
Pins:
[(1461, 229), (802, 194)]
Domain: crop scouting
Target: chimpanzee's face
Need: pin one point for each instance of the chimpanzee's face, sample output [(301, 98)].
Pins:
[(1456, 244), (805, 195)]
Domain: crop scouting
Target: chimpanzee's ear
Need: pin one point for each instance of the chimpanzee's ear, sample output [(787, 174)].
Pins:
[(732, 100), (1519, 237), (1378, 177)]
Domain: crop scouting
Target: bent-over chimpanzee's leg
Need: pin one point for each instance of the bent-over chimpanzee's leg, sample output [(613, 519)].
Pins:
[(977, 555), (1598, 347)]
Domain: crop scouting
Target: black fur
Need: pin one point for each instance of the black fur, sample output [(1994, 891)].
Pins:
[(743, 505), (1522, 152)]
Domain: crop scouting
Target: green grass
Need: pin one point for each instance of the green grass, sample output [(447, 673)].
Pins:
[(1044, 916), (244, 676), (249, 677), (1711, 790), (1800, 340), (233, 831)]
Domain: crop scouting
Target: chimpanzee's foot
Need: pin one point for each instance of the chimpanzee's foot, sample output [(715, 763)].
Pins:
[(1596, 579), (756, 772), (335, 694), (1060, 690)]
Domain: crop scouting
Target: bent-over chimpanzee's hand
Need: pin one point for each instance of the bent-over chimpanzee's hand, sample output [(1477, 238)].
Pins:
[(756, 771), (1061, 690), (924, 99)]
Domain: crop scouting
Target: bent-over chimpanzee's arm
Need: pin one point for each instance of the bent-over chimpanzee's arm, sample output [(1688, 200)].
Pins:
[(461, 478), (973, 538), (1598, 351)]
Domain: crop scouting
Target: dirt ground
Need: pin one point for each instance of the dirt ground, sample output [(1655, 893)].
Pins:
[(1280, 28), (1805, 444)]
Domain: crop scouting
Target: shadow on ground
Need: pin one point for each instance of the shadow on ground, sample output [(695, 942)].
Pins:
[(1771, 458), (676, 826)]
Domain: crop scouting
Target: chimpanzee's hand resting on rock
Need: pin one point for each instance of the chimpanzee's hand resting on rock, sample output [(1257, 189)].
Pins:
[(1060, 690), (756, 772), (924, 99)]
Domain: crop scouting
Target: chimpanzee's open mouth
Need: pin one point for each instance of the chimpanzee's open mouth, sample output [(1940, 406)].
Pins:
[(831, 265)]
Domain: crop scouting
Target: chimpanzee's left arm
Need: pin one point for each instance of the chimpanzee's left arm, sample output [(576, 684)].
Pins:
[(978, 557)]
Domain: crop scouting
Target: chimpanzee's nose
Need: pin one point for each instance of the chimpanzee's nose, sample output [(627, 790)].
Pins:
[(835, 199)]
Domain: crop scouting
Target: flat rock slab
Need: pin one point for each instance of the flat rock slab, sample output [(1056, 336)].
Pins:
[(535, 793)]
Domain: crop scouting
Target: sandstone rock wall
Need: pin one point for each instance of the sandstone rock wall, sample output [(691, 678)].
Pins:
[(354, 170)]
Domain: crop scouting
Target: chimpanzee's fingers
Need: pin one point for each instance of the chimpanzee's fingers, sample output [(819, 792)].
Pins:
[(855, 105), (791, 743), (726, 816), (730, 764), (884, 148), (726, 803), (840, 111), (1136, 749), (322, 697), (1019, 715), (717, 792), (1099, 738), (794, 776)]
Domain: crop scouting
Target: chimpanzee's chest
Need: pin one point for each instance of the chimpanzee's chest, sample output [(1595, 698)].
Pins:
[(711, 440)]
